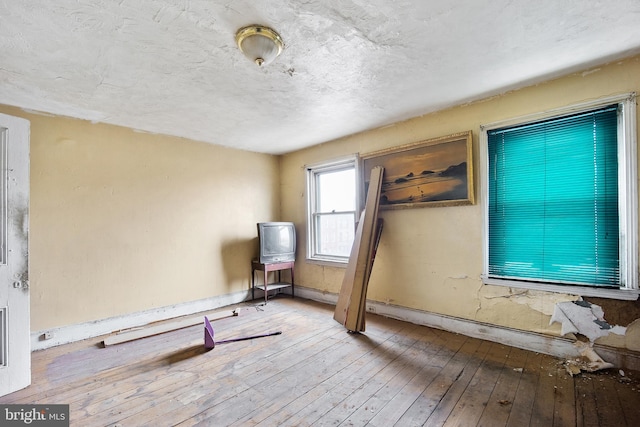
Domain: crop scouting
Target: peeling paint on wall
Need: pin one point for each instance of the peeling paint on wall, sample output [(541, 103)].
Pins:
[(584, 318), (543, 302), (632, 337)]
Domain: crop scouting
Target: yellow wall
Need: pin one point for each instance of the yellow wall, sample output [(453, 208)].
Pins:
[(123, 221), (431, 258)]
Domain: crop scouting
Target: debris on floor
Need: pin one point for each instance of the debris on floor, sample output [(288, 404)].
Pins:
[(589, 360), (582, 317)]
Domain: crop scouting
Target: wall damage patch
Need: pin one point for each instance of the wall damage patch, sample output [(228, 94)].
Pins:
[(583, 318), (589, 360)]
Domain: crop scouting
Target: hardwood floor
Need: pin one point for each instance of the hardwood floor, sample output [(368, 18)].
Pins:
[(315, 373)]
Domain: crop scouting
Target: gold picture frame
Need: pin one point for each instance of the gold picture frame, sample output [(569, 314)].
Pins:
[(434, 172)]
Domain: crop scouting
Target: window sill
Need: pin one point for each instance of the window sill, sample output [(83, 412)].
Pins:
[(328, 262), (585, 291)]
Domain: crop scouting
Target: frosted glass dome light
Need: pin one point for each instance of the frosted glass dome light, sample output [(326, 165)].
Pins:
[(260, 44)]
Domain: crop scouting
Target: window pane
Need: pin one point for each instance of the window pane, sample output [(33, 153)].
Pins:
[(553, 200), (335, 234), (332, 210), (337, 191)]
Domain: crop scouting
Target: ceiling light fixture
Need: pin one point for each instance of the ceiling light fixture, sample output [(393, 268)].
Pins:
[(260, 44)]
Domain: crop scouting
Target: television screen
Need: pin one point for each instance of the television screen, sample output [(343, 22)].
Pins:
[(277, 241)]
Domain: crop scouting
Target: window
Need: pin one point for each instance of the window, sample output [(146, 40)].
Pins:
[(331, 217), (561, 209)]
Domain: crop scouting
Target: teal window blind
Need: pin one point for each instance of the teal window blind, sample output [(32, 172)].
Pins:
[(553, 200)]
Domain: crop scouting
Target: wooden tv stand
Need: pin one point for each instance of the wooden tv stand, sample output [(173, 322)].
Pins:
[(266, 268)]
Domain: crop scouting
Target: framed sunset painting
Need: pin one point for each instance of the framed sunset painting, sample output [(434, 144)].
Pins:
[(435, 172)]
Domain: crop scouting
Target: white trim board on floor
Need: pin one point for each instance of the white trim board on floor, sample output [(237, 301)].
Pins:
[(82, 331)]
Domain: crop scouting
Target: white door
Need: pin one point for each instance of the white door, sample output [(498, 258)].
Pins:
[(15, 347)]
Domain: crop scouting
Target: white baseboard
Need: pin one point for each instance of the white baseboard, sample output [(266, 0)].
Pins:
[(540, 343), (82, 331), (552, 345)]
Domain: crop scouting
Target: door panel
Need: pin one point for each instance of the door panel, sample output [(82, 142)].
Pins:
[(15, 347)]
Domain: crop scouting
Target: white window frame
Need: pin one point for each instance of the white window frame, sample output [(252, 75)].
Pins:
[(311, 172), (627, 199)]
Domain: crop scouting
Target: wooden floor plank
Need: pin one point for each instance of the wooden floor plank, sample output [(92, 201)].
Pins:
[(564, 408), (336, 406), (608, 403), (543, 405), (89, 358), (184, 344), (306, 384), (415, 360), (315, 373), (438, 390), (408, 395), (476, 395), (629, 398), (275, 388), (260, 364), (315, 404), (450, 400), (586, 409), (501, 399), (522, 406)]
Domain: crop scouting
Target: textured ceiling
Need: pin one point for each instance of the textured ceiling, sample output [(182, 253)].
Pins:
[(172, 67)]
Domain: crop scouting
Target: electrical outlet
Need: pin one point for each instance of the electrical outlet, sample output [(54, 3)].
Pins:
[(47, 335)]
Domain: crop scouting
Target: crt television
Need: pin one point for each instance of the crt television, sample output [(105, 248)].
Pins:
[(277, 242)]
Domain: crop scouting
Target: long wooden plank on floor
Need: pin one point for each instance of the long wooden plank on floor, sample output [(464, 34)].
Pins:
[(244, 396), (216, 390), (89, 364), (400, 372), (85, 364), (132, 376), (113, 366), (213, 376), (149, 331)]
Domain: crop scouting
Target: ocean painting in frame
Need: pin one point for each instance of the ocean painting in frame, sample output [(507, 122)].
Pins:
[(436, 172)]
